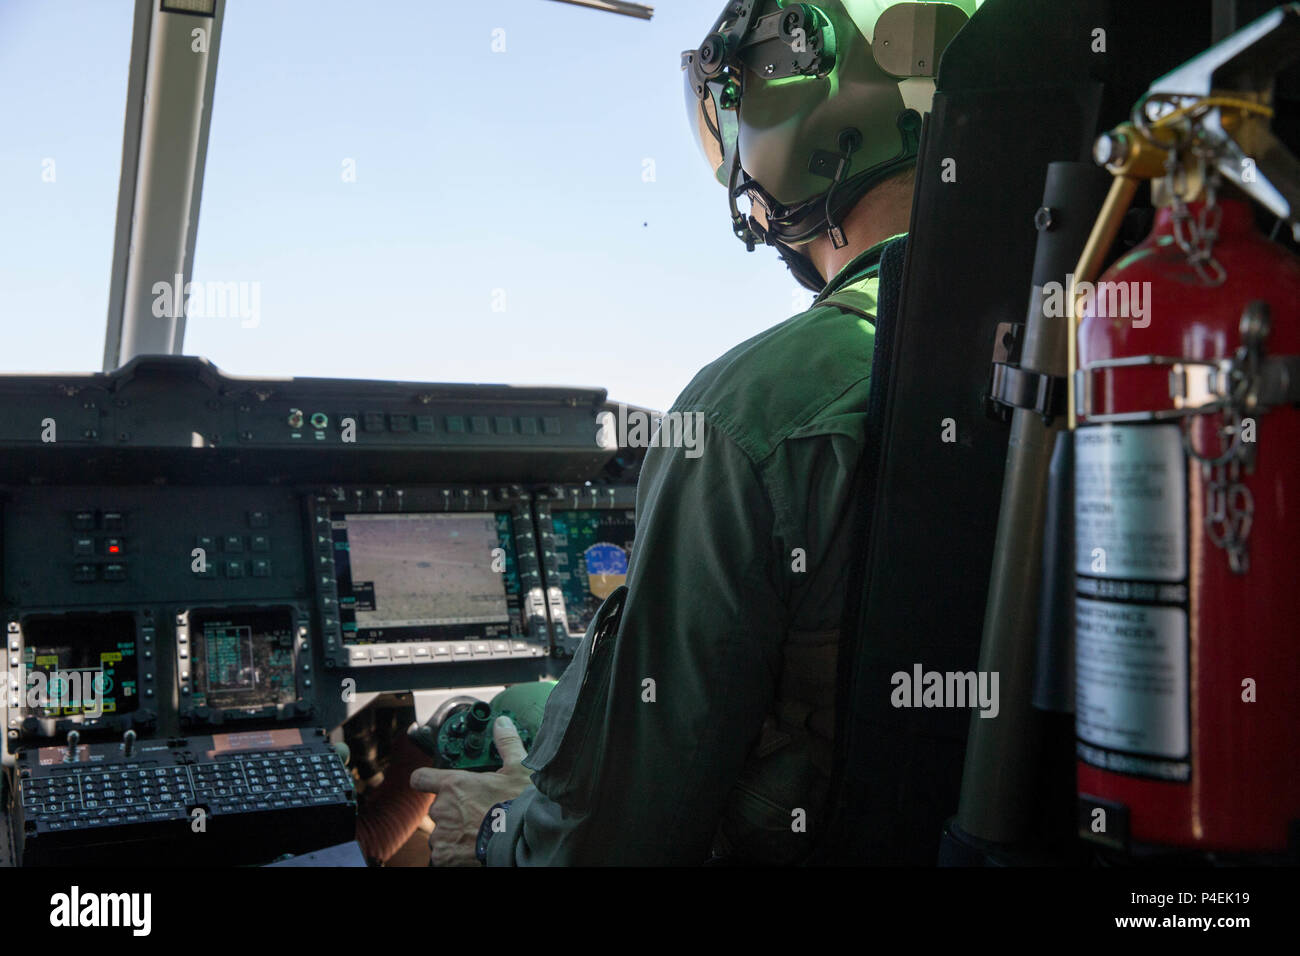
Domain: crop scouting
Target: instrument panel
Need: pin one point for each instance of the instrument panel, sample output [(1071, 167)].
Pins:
[(209, 552), (586, 534)]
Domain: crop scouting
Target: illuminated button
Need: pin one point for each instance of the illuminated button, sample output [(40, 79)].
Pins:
[(83, 521), (401, 653), (442, 650), (233, 543), (460, 650), (84, 572), (114, 546), (455, 424), (115, 572), (422, 650), (500, 647), (259, 542), (359, 655), (234, 569), (482, 649), (319, 420), (379, 653), (261, 567), (259, 519), (83, 547), (520, 647), (206, 542), (114, 521)]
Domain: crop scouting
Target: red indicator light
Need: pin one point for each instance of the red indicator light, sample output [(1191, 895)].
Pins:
[(113, 549)]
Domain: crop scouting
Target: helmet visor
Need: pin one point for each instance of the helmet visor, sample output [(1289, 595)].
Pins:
[(714, 126)]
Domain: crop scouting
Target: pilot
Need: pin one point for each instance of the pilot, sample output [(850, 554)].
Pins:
[(696, 721)]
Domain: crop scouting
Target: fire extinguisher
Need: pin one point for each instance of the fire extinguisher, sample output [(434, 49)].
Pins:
[(1185, 409), (1187, 509)]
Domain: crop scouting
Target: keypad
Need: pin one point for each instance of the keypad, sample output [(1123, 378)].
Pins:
[(140, 792)]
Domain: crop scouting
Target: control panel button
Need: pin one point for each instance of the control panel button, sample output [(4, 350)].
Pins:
[(233, 543), (83, 521), (455, 424), (83, 547), (115, 572), (259, 542), (261, 567), (114, 521), (234, 569), (84, 572), (259, 519), (399, 423)]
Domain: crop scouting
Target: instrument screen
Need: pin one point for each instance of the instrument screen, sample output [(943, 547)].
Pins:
[(426, 576)]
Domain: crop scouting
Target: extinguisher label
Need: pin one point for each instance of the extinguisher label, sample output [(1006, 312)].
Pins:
[(1130, 502), (1132, 707), (1131, 685)]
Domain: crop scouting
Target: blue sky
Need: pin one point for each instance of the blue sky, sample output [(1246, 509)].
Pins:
[(516, 179)]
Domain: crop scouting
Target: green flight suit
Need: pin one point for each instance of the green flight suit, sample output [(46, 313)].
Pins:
[(704, 722)]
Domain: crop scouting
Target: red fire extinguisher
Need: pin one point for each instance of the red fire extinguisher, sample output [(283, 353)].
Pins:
[(1187, 506)]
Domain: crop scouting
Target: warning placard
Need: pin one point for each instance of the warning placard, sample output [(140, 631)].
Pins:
[(1131, 680), (1130, 502)]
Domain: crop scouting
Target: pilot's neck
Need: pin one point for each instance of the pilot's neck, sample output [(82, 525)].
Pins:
[(881, 213)]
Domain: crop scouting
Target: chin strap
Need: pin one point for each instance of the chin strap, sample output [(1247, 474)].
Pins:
[(850, 142), (801, 267)]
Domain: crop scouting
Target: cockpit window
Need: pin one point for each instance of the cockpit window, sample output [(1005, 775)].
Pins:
[(508, 196), (63, 70)]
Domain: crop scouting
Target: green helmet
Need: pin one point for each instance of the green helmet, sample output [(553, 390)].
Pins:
[(803, 107)]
